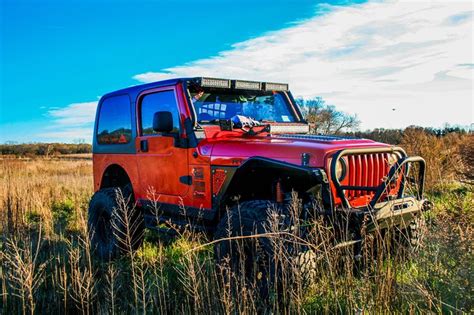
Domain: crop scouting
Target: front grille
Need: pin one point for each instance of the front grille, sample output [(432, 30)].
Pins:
[(366, 170)]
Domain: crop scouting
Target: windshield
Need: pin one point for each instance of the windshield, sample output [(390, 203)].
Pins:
[(266, 106)]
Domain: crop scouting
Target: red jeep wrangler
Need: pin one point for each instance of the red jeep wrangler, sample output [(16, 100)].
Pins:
[(201, 150)]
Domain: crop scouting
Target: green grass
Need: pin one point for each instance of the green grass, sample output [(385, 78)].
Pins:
[(170, 277)]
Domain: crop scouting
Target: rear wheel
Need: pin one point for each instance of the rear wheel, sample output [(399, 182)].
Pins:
[(115, 225)]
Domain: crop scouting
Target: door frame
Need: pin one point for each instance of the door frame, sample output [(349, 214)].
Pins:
[(138, 112)]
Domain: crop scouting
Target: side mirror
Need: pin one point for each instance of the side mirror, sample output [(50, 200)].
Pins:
[(163, 122)]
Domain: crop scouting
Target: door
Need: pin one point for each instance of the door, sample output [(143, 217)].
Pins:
[(162, 166)]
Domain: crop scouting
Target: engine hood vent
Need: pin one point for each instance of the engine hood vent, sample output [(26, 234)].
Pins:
[(329, 138)]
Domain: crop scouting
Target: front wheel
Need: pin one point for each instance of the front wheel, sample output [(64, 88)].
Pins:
[(249, 246), (407, 239), (413, 234)]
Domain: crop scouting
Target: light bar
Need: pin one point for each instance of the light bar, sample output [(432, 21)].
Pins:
[(217, 83), (293, 128), (242, 85), (247, 85), (276, 86)]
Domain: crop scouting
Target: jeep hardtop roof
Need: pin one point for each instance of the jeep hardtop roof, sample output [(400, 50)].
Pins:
[(135, 90)]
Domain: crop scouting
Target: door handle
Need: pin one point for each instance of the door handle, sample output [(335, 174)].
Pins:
[(144, 145)]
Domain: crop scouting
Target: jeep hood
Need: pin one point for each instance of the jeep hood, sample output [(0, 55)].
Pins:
[(287, 148)]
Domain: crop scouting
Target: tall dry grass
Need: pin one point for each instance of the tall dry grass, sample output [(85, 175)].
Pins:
[(448, 157), (46, 266)]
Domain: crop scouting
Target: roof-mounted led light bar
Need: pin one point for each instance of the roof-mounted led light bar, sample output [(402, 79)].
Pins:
[(242, 85), (267, 86), (217, 83), (247, 85)]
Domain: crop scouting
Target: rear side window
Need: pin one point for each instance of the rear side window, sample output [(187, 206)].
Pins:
[(156, 102), (114, 126)]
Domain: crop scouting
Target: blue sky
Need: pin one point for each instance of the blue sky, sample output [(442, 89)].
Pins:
[(58, 57)]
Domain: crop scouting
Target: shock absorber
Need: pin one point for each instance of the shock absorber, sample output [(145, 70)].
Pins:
[(278, 191)]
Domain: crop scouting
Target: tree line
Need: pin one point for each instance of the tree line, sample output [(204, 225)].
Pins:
[(45, 149), (326, 119), (322, 117)]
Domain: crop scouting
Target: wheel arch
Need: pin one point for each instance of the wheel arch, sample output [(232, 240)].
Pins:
[(114, 175), (256, 177)]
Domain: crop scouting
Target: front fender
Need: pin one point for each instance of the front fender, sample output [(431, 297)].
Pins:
[(254, 179)]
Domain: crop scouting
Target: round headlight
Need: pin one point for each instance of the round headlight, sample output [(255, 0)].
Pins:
[(341, 169)]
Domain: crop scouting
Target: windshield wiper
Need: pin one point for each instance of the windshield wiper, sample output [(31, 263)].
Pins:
[(211, 121)]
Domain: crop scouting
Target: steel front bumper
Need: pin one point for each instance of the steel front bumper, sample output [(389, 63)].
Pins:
[(399, 212)]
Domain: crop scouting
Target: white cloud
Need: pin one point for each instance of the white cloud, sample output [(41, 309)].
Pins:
[(74, 114), (414, 57), (75, 121)]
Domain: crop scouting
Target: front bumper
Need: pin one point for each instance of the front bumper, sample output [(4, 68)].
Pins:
[(399, 212)]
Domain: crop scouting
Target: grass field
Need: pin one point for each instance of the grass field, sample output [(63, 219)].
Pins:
[(45, 265)]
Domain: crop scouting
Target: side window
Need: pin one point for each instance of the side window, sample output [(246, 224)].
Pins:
[(157, 102), (114, 126)]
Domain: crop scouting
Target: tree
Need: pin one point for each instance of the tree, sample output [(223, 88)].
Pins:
[(326, 119)]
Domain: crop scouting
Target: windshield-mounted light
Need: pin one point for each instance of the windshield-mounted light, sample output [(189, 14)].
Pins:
[(247, 85), (275, 86), (217, 83)]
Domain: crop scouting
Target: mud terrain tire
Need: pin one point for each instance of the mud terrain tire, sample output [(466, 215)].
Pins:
[(254, 258)]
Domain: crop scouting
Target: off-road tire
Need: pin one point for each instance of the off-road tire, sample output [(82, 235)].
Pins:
[(104, 223), (410, 238), (256, 255), (415, 233)]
